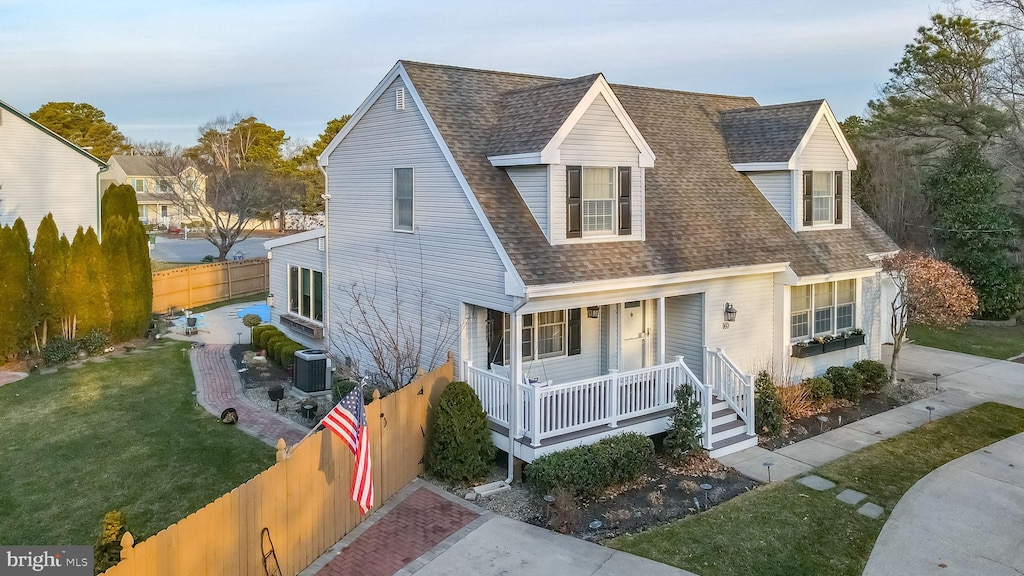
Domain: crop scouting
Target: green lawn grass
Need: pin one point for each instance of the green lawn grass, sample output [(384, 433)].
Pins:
[(126, 435), (786, 529), (1000, 342)]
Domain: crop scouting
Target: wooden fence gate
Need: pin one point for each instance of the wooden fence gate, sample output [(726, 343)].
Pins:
[(303, 500)]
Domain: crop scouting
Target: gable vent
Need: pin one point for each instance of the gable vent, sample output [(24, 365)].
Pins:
[(400, 99)]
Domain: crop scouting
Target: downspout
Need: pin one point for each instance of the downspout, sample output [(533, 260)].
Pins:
[(327, 262), (514, 396), (99, 203)]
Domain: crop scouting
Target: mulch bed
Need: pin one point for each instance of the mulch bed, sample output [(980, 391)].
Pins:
[(667, 491), (839, 414)]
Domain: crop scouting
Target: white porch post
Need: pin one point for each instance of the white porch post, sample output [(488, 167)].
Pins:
[(515, 356), (749, 397), (613, 398), (661, 330)]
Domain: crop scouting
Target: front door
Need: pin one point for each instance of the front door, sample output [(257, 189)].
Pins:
[(634, 336)]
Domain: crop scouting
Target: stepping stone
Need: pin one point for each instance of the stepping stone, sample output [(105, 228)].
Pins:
[(871, 510), (851, 497), (99, 359), (816, 483), (76, 365), (48, 370)]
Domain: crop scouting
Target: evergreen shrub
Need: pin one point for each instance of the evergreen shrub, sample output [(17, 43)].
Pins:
[(767, 405), (586, 471), (847, 383), (874, 373), (460, 446)]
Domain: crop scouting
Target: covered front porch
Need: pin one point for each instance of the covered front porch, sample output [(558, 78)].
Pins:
[(594, 371)]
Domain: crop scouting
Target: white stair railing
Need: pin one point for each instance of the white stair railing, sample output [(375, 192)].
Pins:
[(493, 391), (702, 392), (731, 384)]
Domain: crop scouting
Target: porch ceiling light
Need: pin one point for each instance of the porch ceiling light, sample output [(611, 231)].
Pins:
[(593, 312), (730, 312)]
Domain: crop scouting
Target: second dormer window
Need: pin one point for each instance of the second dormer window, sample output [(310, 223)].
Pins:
[(822, 191), (598, 201), (823, 198)]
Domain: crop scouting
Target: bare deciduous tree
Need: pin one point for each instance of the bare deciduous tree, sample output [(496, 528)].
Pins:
[(389, 318)]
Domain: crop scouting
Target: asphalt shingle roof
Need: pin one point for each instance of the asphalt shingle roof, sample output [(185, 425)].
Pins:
[(529, 118), (767, 133), (135, 165), (701, 213)]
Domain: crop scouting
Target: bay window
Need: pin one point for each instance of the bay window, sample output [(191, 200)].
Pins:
[(822, 309)]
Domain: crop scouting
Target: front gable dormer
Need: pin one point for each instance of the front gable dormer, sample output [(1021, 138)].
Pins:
[(576, 158), (798, 158)]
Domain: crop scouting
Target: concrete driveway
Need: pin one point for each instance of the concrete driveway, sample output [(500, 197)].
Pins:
[(966, 517), (194, 249)]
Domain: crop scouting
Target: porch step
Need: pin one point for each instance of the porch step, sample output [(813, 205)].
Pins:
[(719, 405), (722, 416), (725, 431), (731, 445)]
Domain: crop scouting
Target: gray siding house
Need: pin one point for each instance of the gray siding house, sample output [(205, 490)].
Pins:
[(584, 249)]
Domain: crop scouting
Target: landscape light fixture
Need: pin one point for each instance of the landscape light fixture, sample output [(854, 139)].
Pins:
[(936, 374), (769, 465), (593, 312), (706, 488), (730, 312)]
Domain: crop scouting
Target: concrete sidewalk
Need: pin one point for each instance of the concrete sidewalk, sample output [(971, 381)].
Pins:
[(966, 517)]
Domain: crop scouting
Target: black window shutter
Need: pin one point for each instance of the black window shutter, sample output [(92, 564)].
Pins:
[(495, 332), (575, 331), (808, 198), (839, 197), (573, 202), (625, 201)]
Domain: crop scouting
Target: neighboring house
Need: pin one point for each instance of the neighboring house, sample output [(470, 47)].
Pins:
[(598, 245), (153, 190), (42, 173)]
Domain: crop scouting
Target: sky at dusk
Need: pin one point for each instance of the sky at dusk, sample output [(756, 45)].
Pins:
[(161, 69)]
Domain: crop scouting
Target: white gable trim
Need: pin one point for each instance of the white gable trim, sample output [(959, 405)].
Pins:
[(514, 285), (524, 159), (549, 155), (295, 238), (825, 112), (762, 166)]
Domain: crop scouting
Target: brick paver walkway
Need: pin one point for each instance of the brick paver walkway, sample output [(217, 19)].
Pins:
[(410, 529), (219, 387)]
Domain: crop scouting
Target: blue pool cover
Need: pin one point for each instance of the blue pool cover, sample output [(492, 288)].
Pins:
[(262, 310)]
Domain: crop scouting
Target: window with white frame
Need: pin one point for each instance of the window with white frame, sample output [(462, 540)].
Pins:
[(139, 184), (598, 201), (822, 309), (544, 335), (822, 202), (306, 293), (527, 350), (403, 182)]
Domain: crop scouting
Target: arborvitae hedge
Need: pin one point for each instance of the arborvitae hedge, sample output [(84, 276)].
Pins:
[(126, 251), (86, 284), (460, 442), (49, 270)]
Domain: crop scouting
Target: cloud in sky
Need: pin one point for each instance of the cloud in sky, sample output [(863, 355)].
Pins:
[(161, 69)]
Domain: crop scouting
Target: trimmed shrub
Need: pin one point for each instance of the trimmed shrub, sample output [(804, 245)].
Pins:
[(767, 406), (273, 346), (341, 388), (847, 383), (94, 342), (683, 435), (587, 470), (251, 320), (819, 388), (874, 373), (257, 333), (59, 350), (287, 353), (267, 335), (460, 446), (107, 551)]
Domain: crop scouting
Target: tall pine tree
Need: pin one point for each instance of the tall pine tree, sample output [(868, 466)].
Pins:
[(49, 268)]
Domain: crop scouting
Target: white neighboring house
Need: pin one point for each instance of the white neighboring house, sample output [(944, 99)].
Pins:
[(152, 189), (599, 245), (42, 173)]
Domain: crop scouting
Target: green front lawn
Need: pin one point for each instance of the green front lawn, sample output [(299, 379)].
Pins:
[(124, 435), (1000, 342), (787, 529)]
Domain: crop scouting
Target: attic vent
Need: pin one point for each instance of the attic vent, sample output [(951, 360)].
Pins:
[(400, 99)]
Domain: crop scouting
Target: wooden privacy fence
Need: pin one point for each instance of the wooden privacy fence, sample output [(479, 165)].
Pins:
[(303, 500), (207, 283)]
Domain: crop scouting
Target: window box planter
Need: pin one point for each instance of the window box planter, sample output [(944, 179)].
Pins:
[(807, 351), (833, 345), (854, 340)]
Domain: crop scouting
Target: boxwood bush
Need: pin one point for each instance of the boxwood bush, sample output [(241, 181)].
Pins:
[(819, 388), (587, 470), (460, 446), (847, 383), (874, 373), (257, 332), (266, 336)]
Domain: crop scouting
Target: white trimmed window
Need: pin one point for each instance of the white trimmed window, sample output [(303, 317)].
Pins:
[(598, 201), (403, 183), (139, 184), (544, 335), (822, 309), (306, 293), (822, 212)]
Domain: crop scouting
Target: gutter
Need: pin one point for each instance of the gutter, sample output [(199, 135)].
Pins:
[(327, 260)]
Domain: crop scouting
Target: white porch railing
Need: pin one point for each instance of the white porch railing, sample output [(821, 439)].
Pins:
[(731, 384), (556, 409)]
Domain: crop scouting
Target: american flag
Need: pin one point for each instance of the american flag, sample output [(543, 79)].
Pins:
[(348, 421)]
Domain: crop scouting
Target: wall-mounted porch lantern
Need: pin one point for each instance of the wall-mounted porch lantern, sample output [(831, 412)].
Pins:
[(593, 312), (270, 300), (730, 312)]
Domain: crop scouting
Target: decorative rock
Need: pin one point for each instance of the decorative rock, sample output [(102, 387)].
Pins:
[(851, 497), (471, 495), (816, 483), (871, 510)]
